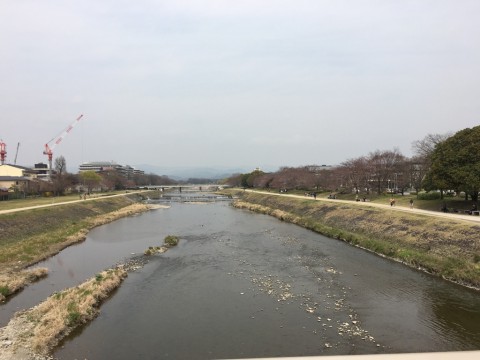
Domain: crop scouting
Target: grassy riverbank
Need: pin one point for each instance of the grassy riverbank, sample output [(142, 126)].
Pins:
[(31, 334), (447, 248), (34, 333), (30, 236)]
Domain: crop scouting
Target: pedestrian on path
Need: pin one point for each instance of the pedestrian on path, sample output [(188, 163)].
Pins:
[(411, 203)]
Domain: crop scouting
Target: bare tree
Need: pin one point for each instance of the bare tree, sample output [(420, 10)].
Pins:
[(385, 166), (357, 174), (59, 179), (424, 148)]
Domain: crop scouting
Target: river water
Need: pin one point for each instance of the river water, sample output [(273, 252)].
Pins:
[(243, 285)]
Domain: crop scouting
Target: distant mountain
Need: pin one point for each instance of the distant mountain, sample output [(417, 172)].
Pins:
[(184, 173)]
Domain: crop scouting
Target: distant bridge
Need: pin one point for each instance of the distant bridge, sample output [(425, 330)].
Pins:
[(181, 187), (189, 197)]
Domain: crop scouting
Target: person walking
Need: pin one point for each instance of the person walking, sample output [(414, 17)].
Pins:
[(411, 203)]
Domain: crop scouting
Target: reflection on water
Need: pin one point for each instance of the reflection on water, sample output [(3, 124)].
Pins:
[(247, 285)]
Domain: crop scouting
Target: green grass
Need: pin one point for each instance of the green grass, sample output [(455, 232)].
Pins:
[(36, 201), (404, 200), (4, 290), (31, 235)]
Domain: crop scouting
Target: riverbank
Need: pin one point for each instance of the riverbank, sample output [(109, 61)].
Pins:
[(31, 334), (31, 236), (34, 333), (447, 248)]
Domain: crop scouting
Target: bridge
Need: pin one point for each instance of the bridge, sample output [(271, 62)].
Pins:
[(182, 187), (194, 197)]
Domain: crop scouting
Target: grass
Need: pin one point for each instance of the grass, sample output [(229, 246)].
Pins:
[(401, 200), (39, 201), (42, 327), (169, 241), (447, 248), (13, 281), (30, 236)]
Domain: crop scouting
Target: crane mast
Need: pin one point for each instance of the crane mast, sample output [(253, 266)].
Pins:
[(3, 151), (49, 149), (16, 154)]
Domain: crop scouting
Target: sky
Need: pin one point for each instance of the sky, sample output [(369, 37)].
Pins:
[(244, 83)]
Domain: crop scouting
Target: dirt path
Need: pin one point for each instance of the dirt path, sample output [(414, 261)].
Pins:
[(452, 216), (67, 202)]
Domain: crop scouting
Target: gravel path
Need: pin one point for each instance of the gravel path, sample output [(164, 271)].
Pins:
[(452, 216)]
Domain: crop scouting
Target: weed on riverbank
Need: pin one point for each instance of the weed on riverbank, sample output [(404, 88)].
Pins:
[(12, 282)]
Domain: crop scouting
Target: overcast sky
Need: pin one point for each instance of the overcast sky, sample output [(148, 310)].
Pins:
[(234, 83)]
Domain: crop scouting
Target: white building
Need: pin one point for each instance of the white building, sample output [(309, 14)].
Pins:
[(101, 166)]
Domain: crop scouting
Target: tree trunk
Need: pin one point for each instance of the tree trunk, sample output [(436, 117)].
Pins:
[(474, 196)]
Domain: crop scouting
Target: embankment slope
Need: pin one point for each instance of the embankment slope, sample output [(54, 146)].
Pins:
[(27, 237)]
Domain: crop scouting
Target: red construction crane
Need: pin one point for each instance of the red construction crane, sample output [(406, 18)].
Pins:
[(49, 150), (3, 151)]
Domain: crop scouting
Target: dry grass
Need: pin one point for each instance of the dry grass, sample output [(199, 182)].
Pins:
[(31, 236), (42, 327), (12, 282), (448, 248)]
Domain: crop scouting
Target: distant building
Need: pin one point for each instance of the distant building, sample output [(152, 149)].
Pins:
[(15, 177), (41, 171), (101, 166)]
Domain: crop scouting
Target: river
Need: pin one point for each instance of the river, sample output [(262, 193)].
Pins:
[(243, 285)]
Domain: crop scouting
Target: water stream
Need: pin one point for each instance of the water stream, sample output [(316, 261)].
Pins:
[(246, 285)]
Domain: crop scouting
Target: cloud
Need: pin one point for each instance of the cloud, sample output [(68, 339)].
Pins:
[(267, 73)]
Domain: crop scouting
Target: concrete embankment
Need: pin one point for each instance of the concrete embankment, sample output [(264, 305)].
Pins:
[(448, 248)]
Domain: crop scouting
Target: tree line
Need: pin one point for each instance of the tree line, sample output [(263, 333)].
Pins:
[(441, 162), (86, 181)]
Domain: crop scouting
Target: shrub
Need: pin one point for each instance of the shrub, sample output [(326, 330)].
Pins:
[(4, 290), (171, 240), (429, 196), (73, 318)]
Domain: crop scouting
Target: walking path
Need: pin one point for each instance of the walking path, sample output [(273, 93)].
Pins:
[(451, 216), (66, 202)]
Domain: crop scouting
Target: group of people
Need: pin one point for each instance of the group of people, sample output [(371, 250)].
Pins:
[(363, 198), (472, 211)]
